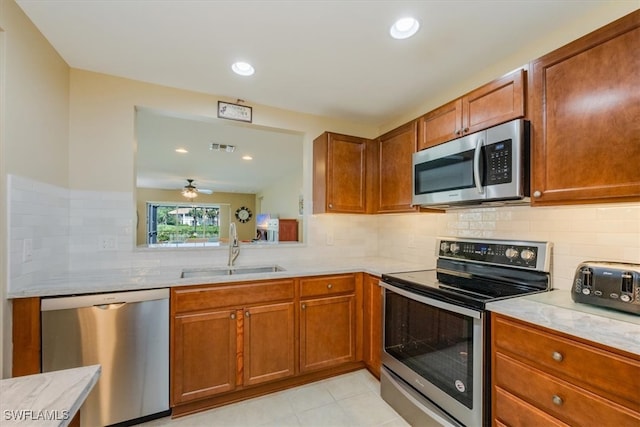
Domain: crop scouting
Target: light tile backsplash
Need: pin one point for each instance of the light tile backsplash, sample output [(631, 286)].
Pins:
[(72, 231)]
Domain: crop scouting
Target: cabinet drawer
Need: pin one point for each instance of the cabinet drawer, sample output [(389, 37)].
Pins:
[(607, 373), (559, 398), (327, 285), (513, 412), (230, 295)]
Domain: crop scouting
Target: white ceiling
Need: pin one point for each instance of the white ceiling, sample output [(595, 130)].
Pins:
[(327, 57)]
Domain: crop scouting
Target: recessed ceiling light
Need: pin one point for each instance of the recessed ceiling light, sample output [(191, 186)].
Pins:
[(247, 158), (242, 68), (404, 28), (181, 150)]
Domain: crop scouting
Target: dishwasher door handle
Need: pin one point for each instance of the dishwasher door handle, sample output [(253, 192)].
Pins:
[(112, 306)]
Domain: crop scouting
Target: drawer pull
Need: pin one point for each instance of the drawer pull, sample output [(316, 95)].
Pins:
[(557, 356), (329, 286), (557, 400)]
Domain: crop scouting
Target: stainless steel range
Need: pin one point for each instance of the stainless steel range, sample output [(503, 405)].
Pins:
[(436, 330)]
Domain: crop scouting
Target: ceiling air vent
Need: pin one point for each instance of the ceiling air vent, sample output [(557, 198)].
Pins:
[(222, 147)]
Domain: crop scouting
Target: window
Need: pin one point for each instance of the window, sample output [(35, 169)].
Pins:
[(183, 224)]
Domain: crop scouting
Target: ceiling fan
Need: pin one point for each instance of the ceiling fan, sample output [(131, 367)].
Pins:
[(191, 192)]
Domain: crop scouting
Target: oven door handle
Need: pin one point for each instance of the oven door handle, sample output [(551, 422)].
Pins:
[(433, 302)]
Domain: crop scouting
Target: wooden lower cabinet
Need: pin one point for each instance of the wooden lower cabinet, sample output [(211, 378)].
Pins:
[(372, 307), (331, 320), (543, 377), (234, 341), (327, 332), (204, 357), (269, 343)]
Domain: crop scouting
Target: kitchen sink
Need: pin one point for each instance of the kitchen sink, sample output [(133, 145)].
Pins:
[(228, 271)]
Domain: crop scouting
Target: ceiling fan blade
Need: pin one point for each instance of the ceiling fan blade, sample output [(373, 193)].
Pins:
[(205, 191)]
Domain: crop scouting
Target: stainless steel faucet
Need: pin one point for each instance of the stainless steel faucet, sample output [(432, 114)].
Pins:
[(234, 247)]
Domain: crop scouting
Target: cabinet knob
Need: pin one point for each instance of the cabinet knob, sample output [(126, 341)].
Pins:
[(457, 132), (330, 205), (557, 356), (304, 306), (233, 315), (537, 194), (247, 314), (329, 286), (465, 130), (557, 400)]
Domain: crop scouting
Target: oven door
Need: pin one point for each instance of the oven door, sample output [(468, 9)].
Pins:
[(438, 349)]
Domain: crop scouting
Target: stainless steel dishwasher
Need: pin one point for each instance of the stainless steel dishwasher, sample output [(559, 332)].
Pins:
[(127, 333)]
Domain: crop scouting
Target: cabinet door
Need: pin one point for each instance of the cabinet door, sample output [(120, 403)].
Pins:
[(585, 107), (204, 355), (340, 171), (268, 343), (372, 324), (395, 164), (494, 103), (327, 332), (440, 125)]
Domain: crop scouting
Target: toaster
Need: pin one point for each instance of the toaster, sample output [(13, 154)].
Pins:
[(608, 284)]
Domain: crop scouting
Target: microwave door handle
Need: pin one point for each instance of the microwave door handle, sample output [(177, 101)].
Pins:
[(476, 166)]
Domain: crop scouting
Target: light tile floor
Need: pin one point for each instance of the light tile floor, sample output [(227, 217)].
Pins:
[(347, 400)]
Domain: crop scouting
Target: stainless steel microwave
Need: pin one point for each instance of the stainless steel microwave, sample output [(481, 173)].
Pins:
[(484, 167)]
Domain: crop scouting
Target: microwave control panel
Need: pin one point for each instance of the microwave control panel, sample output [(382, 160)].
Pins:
[(499, 160)]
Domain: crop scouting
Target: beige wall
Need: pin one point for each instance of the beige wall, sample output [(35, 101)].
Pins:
[(34, 120), (232, 201)]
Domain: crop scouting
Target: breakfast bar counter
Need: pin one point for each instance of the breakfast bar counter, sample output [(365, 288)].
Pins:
[(46, 400)]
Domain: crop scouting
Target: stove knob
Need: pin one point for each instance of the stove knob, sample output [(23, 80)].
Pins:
[(511, 253), (625, 298), (444, 247), (455, 248), (527, 255)]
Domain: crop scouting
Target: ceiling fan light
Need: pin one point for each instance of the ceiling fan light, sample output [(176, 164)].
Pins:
[(189, 193)]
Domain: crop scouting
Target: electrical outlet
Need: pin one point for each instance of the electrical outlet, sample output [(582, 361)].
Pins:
[(108, 243), (329, 238), (27, 250)]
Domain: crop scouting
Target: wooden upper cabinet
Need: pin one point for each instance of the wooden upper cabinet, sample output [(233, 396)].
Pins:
[(340, 173), (585, 104), (394, 160), (497, 102), (440, 125)]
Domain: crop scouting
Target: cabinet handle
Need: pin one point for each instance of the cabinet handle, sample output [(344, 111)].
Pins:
[(329, 286), (304, 306), (465, 130), (233, 315), (537, 194), (246, 313), (557, 356), (457, 132), (557, 400), (330, 205)]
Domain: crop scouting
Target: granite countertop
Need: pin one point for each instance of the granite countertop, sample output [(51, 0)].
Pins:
[(132, 279), (44, 400), (556, 310)]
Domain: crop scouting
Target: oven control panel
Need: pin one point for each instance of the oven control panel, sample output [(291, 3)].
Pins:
[(531, 255)]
